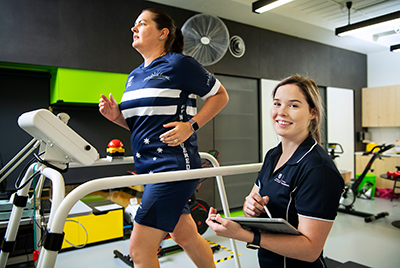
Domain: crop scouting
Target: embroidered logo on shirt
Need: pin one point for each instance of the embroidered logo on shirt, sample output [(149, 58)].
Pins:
[(280, 180), (130, 81), (209, 76), (157, 75)]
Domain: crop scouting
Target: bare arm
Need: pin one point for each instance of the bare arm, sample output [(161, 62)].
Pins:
[(306, 247), (181, 131), (109, 109), (212, 107)]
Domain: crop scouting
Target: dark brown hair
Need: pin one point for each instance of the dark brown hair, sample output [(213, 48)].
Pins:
[(174, 42)]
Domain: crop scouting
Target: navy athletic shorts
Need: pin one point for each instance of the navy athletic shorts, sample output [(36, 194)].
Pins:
[(163, 204)]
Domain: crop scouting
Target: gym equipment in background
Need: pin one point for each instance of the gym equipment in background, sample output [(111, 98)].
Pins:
[(350, 191)]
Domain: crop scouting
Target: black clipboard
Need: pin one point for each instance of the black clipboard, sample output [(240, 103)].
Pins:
[(266, 225)]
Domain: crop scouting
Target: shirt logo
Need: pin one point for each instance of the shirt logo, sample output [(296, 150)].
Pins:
[(209, 76), (280, 180), (157, 75), (130, 81)]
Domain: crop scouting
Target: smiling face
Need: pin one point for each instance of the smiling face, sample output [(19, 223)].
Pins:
[(291, 113)]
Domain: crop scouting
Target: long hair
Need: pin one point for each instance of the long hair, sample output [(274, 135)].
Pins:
[(310, 90), (174, 42)]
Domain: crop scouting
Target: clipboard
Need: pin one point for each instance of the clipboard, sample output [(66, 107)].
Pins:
[(266, 225)]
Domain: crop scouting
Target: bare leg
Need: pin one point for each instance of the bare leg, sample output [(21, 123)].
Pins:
[(144, 244), (196, 247)]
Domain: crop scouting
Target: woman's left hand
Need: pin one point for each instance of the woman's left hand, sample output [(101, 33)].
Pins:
[(180, 132)]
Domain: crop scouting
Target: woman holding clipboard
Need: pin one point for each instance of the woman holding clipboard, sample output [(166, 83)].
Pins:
[(298, 182)]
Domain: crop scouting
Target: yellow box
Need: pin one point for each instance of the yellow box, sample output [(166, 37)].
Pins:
[(103, 227)]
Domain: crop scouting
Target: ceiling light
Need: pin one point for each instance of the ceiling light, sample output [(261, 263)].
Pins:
[(395, 48), (355, 28), (265, 5)]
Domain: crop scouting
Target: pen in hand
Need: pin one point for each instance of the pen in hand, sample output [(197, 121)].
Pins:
[(265, 208)]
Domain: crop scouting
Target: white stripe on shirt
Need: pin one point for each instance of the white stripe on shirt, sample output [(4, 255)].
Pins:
[(149, 111), (312, 147), (315, 218), (151, 92), (190, 110)]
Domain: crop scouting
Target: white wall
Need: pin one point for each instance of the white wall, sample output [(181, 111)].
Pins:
[(340, 124), (269, 137), (384, 70)]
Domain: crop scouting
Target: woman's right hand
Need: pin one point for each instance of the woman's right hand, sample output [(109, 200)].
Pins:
[(227, 228), (253, 204), (109, 107)]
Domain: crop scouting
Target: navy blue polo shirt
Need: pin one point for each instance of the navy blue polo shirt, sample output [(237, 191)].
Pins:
[(307, 185), (160, 93), (163, 92)]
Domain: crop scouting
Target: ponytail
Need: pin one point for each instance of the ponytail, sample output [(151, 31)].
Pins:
[(174, 41), (178, 44)]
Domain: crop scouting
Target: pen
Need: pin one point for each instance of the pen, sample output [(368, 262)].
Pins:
[(265, 207)]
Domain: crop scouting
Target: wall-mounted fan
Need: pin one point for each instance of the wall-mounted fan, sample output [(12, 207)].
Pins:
[(206, 38), (237, 46)]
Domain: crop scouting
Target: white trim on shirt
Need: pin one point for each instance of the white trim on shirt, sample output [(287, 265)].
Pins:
[(213, 91), (151, 93), (149, 111)]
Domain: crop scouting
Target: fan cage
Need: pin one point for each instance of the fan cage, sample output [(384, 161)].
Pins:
[(206, 38)]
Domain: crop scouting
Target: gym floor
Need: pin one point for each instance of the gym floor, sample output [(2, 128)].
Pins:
[(352, 241)]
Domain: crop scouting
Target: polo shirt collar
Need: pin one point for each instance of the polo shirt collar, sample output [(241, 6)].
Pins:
[(305, 147)]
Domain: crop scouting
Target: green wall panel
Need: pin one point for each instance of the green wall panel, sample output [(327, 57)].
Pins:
[(72, 86)]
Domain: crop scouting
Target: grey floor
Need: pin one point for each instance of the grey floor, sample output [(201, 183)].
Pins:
[(375, 244)]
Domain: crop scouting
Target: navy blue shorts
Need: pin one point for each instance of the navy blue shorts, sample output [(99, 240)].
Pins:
[(163, 204)]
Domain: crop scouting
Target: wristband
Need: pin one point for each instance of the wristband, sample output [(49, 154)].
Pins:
[(194, 125), (256, 240)]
